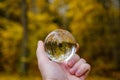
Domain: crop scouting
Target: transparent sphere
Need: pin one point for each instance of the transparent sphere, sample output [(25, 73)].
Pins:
[(60, 45)]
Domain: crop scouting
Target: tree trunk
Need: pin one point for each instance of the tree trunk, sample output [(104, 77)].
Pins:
[(24, 65)]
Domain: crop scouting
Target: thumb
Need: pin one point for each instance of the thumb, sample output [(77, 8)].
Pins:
[(41, 54)]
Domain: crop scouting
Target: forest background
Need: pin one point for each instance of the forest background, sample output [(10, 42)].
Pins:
[(95, 25)]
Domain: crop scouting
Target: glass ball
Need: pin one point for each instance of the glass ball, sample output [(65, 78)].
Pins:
[(60, 45)]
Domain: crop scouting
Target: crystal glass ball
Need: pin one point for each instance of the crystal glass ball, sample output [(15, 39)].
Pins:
[(60, 45)]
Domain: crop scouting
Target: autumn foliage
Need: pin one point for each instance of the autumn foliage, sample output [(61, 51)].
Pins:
[(94, 23)]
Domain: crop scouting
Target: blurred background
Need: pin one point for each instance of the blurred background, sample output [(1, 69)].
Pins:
[(94, 23)]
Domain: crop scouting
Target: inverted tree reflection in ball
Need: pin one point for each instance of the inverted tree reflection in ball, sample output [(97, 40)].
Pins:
[(60, 45)]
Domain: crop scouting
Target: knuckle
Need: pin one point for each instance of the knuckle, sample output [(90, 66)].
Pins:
[(88, 66), (83, 60)]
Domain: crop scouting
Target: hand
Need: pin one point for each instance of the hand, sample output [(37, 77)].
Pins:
[(75, 69)]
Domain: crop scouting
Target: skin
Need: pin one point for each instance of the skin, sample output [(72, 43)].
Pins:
[(75, 69)]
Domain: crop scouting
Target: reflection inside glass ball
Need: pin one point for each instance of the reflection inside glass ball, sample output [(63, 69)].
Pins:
[(60, 45)]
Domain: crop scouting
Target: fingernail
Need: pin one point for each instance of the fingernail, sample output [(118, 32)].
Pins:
[(70, 63), (40, 43), (78, 73), (72, 71)]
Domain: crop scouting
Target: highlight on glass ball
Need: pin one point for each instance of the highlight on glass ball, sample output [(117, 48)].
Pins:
[(60, 45)]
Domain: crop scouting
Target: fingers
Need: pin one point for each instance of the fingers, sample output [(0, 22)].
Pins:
[(80, 68), (73, 60), (84, 76), (76, 66), (41, 54)]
